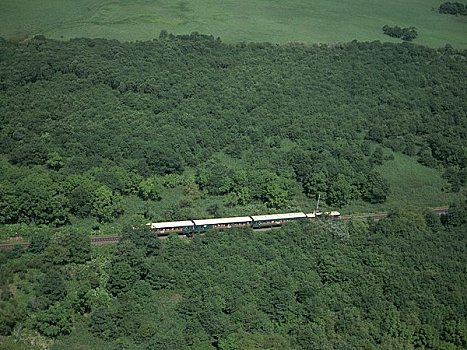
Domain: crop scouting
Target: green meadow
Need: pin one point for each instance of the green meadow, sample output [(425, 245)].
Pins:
[(309, 21), (412, 185)]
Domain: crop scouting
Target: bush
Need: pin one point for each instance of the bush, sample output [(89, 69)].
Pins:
[(406, 34), (453, 8)]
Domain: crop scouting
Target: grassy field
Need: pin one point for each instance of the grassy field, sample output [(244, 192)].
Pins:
[(239, 20), (412, 184)]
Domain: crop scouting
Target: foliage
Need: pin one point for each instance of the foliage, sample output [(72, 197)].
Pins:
[(406, 34), (156, 140), (71, 247), (457, 215), (453, 8), (52, 287), (55, 321), (10, 315), (322, 284), (377, 188)]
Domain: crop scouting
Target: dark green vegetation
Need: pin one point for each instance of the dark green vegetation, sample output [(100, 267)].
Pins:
[(97, 134), (453, 8), (396, 284), (406, 34), (189, 127)]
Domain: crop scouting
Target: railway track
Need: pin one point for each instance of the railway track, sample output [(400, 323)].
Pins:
[(98, 240), (111, 239), (95, 240), (4, 246), (382, 215)]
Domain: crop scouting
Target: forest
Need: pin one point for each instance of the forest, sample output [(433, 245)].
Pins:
[(189, 127), (395, 284), (100, 136)]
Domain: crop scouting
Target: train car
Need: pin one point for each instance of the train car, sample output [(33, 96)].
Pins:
[(334, 215), (327, 214), (189, 227), (275, 219), (166, 228), (222, 223)]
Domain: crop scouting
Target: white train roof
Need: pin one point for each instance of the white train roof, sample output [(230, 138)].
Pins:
[(284, 216), (171, 224), (318, 213), (220, 221)]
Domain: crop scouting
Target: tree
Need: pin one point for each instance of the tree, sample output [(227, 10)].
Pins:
[(78, 246), (55, 321), (55, 161), (377, 133), (9, 204), (425, 157), (39, 242), (128, 252), (457, 214), (71, 247), (160, 275), (121, 278), (454, 178), (215, 178), (10, 314), (375, 189), (240, 187), (377, 156), (56, 253), (106, 205), (81, 303), (455, 332), (149, 189), (161, 160), (402, 223), (453, 8), (274, 195), (340, 192), (143, 239), (406, 34), (315, 184), (52, 287), (39, 201), (255, 341), (102, 324), (81, 200), (270, 189)]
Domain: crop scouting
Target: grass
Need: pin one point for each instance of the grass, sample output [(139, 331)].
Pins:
[(239, 20), (412, 185)]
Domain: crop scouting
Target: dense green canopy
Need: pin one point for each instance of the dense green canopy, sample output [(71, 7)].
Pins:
[(85, 124), (187, 126), (398, 283)]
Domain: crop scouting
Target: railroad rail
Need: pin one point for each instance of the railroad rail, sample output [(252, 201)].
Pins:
[(111, 239)]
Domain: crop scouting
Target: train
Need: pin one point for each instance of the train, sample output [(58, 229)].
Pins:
[(189, 227)]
